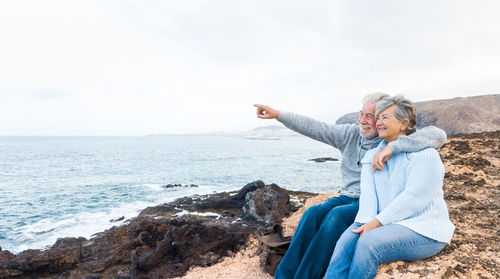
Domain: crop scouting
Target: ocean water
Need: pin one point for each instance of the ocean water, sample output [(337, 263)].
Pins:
[(53, 187)]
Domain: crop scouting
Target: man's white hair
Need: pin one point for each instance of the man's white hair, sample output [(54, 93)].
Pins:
[(374, 97)]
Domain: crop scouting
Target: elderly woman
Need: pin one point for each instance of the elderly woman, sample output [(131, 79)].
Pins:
[(402, 213)]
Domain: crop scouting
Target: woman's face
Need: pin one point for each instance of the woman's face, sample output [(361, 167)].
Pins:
[(388, 126)]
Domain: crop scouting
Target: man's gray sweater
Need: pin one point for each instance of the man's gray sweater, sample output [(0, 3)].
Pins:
[(353, 146)]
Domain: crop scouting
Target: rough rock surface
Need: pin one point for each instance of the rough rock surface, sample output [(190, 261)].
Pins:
[(160, 242), (267, 205), (168, 186)]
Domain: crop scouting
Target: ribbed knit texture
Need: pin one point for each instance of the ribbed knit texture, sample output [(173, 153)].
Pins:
[(353, 146), (409, 192)]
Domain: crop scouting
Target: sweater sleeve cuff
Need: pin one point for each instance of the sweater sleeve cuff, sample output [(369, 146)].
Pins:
[(383, 219)]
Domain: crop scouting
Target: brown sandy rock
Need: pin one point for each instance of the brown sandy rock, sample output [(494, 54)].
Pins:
[(472, 193)]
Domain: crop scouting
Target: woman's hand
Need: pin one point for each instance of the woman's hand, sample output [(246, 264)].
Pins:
[(367, 227), (381, 157), (266, 112)]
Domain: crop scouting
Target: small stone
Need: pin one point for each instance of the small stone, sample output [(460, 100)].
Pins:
[(460, 268), (323, 159), (227, 214), (117, 219)]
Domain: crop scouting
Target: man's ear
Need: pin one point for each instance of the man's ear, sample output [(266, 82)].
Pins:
[(404, 125)]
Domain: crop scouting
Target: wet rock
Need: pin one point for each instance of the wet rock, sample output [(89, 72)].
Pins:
[(218, 202), (198, 203), (179, 185), (117, 219), (172, 185), (323, 159), (158, 244), (226, 214)]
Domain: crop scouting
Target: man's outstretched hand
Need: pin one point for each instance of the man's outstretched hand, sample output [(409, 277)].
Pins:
[(381, 157), (266, 112)]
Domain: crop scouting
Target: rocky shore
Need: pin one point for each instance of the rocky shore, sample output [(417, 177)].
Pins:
[(163, 241), (215, 236)]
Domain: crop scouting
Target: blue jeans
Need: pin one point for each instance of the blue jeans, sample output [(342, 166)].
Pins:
[(355, 258), (315, 238)]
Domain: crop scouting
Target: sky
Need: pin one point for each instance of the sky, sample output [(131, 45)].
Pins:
[(132, 68)]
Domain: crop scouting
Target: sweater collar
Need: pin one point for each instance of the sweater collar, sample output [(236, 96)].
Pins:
[(369, 143)]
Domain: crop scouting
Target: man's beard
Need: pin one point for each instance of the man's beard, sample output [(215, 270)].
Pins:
[(371, 134)]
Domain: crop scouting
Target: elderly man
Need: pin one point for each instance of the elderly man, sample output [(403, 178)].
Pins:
[(322, 225)]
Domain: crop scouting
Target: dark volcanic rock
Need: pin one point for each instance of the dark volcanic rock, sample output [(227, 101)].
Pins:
[(117, 219), (54, 260), (187, 241), (226, 214), (267, 205), (248, 188), (179, 185), (323, 159), (234, 203), (158, 245)]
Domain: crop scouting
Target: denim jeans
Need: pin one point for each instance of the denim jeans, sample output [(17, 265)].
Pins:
[(356, 257), (315, 238)]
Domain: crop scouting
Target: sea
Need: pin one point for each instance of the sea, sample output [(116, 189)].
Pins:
[(52, 187)]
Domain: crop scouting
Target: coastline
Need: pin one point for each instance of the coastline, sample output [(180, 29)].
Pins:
[(136, 249)]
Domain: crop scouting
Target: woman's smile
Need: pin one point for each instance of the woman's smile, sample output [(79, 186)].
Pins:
[(388, 126)]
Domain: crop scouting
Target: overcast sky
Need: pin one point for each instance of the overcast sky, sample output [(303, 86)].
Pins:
[(144, 67)]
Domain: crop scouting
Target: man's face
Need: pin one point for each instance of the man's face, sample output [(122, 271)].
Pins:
[(367, 121)]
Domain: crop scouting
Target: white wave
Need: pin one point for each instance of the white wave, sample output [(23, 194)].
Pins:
[(45, 232), (154, 187), (185, 212)]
